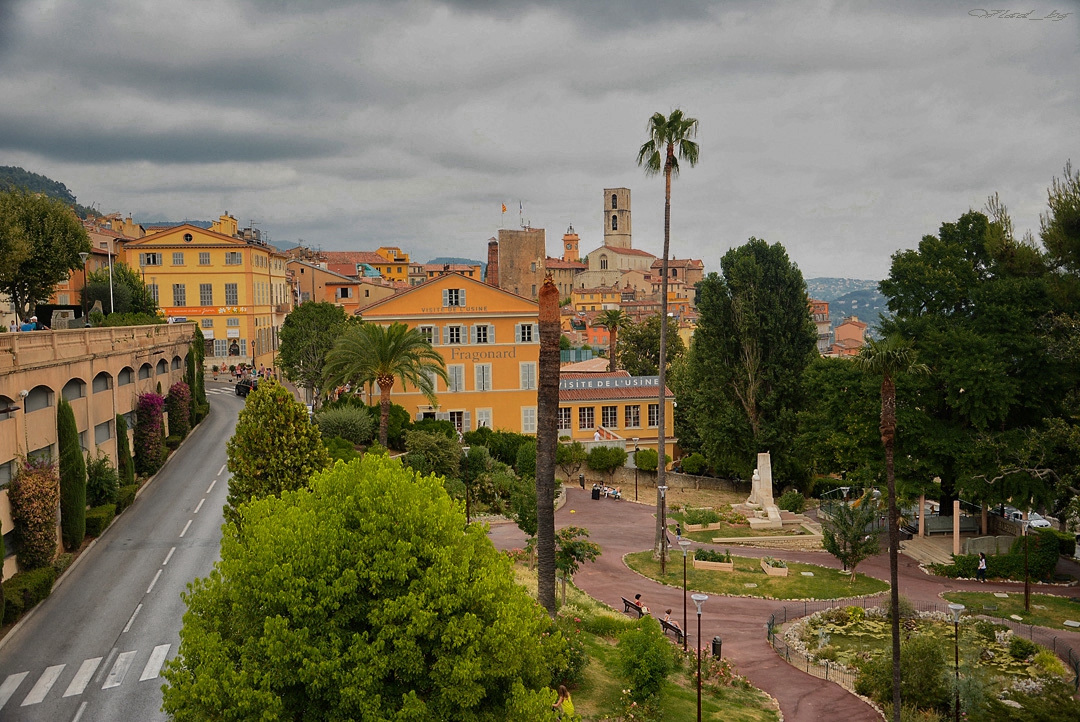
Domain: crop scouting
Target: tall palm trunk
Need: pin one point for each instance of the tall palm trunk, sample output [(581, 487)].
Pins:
[(613, 335), (384, 409), (888, 436), (547, 439), (661, 446)]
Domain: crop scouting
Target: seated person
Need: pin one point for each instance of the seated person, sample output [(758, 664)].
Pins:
[(640, 604), (669, 620), (617, 492)]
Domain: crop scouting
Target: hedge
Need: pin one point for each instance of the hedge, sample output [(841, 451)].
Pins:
[(125, 497), (1042, 558), (24, 590), (99, 518)]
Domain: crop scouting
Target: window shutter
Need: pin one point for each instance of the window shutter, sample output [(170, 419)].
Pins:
[(442, 415), (419, 415), (445, 333), (461, 297), (535, 333), (517, 333), (445, 297), (491, 333), (466, 423), (472, 333), (524, 376)]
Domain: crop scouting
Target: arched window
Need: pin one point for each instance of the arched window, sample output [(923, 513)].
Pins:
[(162, 366), (40, 397), (74, 389), (614, 222), (176, 363), (603, 262), (102, 382), (614, 201), (8, 407), (145, 371), (125, 377)]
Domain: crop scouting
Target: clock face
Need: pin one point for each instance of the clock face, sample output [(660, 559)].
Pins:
[(569, 246)]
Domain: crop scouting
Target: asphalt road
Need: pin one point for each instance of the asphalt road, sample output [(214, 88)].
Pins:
[(93, 651)]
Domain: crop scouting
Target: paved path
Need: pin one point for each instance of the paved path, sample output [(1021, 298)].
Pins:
[(620, 527)]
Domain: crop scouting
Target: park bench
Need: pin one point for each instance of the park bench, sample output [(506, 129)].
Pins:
[(629, 606), (669, 627)]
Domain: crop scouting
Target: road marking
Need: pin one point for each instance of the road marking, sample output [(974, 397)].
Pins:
[(211, 487), (200, 505), (168, 556), (152, 583), (44, 684), (185, 528), (108, 663), (133, 615), (82, 677), (78, 715), (221, 469), (116, 675), (9, 686), (153, 665)]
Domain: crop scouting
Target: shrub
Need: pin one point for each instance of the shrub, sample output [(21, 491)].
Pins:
[(646, 658), (709, 555), (647, 459), (436, 426), (340, 449), (62, 562), (72, 477), (525, 463), (102, 481), (351, 423), (695, 464), (603, 625), (125, 465), (99, 518), (925, 675), (34, 495), (573, 672), (792, 501), (1042, 558), (700, 516), (399, 422), (125, 497), (24, 590), (172, 442), (149, 434), (1049, 663), (775, 563), (1066, 543), (1020, 648), (178, 404)]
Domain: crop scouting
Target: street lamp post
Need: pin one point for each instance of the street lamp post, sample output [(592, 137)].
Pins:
[(663, 529), (699, 599), (84, 255), (956, 610), (112, 307), (685, 544), (635, 466), (1027, 576)]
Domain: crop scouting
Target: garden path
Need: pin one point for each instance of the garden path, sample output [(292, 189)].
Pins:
[(621, 527)]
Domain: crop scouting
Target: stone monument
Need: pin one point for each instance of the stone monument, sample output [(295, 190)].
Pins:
[(766, 513)]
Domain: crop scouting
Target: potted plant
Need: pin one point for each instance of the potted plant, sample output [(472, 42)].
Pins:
[(215, 369), (774, 567), (709, 559)]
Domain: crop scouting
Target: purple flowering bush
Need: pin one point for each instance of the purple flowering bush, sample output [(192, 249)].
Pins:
[(149, 433), (178, 404)]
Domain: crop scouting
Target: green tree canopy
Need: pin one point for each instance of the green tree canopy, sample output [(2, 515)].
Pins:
[(130, 293), (569, 456), (606, 459), (72, 469), (306, 337), (46, 237), (847, 533), (613, 319), (639, 346), (365, 596), (275, 448)]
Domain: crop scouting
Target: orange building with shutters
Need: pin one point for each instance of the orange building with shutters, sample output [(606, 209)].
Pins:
[(490, 342)]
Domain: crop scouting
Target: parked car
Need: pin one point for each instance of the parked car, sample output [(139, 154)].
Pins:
[(246, 386), (1035, 520)]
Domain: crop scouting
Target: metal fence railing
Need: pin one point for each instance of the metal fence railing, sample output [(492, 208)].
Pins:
[(834, 673)]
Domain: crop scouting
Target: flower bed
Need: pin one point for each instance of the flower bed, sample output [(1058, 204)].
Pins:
[(716, 566), (774, 567)]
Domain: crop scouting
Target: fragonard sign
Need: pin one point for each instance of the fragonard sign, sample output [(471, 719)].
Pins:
[(609, 382)]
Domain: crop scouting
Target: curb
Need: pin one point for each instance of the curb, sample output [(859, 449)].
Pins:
[(60, 579)]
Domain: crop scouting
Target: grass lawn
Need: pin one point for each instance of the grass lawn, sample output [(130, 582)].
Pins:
[(1046, 610), (825, 584), (736, 530)]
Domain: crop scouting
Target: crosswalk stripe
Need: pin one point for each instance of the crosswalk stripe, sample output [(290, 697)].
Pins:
[(119, 669), (82, 677), (43, 685), (153, 665), (9, 686)]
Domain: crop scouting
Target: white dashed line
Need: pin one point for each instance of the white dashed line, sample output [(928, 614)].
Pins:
[(221, 469), (168, 556), (78, 715), (211, 487), (185, 529), (200, 505), (130, 621), (152, 583)]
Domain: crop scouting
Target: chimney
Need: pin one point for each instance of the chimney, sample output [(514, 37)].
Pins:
[(492, 276)]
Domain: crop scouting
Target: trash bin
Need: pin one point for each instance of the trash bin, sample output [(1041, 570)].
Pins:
[(596, 493), (581, 480), (717, 646)]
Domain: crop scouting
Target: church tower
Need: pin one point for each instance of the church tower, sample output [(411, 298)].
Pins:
[(617, 217)]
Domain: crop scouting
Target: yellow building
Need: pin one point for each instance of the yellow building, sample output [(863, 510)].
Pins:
[(600, 298), (396, 266), (489, 340), (235, 289), (613, 406)]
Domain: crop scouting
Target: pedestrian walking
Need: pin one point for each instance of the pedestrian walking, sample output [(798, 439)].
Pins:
[(13, 327), (980, 573)]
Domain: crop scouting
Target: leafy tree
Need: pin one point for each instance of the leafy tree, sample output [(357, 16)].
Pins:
[(275, 448), (564, 343), (753, 341), (639, 346), (130, 293), (606, 459), (613, 319), (926, 676), (72, 477), (178, 404), (845, 534), (669, 140), (694, 464), (476, 467), (1060, 227), (430, 453), (569, 457), (889, 358), (305, 338), (371, 352), (34, 495), (571, 551), (547, 441), (102, 481), (399, 422), (149, 435), (648, 459), (365, 596), (47, 238), (194, 375), (523, 506), (526, 459), (646, 658), (125, 465)]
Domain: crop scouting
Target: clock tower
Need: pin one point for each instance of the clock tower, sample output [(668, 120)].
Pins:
[(570, 242)]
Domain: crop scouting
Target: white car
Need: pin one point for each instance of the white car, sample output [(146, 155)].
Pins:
[(1035, 520)]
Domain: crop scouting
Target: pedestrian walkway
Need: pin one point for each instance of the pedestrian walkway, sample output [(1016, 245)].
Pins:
[(34, 689), (623, 527)]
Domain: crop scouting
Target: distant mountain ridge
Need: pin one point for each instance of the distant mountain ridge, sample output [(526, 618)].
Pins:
[(850, 297), (12, 176), (830, 289)]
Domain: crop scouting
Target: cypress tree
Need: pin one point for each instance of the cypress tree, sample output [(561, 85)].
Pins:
[(72, 478), (125, 465)]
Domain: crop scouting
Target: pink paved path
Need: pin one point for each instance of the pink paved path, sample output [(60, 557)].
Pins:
[(620, 527)]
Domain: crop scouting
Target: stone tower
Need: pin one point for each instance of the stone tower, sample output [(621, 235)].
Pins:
[(617, 228), (570, 241), (521, 260), (492, 277)]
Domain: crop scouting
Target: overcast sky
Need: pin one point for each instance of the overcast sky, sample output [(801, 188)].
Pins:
[(844, 131)]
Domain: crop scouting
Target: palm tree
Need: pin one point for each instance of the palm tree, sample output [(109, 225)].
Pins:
[(668, 137), (547, 439), (370, 352), (890, 357), (613, 319)]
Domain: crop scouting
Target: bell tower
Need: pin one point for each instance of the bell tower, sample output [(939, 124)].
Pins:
[(617, 228), (570, 242)]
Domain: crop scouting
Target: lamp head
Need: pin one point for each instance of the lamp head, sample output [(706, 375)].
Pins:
[(956, 610), (699, 599), (83, 255), (685, 544)]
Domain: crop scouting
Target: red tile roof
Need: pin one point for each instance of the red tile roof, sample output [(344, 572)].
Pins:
[(561, 264), (627, 392), (353, 257)]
